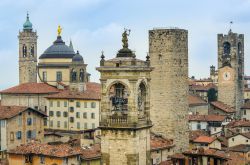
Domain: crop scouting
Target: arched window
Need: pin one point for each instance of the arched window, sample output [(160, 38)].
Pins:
[(141, 97), (32, 50), (73, 75), (81, 75), (118, 97), (227, 48), (24, 51)]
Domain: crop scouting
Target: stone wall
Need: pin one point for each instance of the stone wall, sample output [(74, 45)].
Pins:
[(168, 50)]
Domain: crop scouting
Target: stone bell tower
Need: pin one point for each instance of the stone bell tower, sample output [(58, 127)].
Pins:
[(27, 53), (168, 50), (231, 70), (125, 119)]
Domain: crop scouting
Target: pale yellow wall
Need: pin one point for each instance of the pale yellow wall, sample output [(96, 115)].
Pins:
[(215, 144), (51, 75), (55, 60), (199, 109), (162, 155), (81, 110), (238, 139), (246, 94), (91, 162)]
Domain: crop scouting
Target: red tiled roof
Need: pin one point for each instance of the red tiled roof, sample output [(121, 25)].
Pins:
[(211, 117), (31, 88), (238, 123), (194, 100), (222, 106), (158, 142), (59, 150), (240, 148), (207, 152), (236, 158), (196, 133), (202, 88), (247, 90), (204, 139), (92, 92), (7, 112), (92, 152)]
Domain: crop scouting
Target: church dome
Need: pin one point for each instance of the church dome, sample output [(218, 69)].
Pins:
[(77, 58), (27, 25), (58, 50)]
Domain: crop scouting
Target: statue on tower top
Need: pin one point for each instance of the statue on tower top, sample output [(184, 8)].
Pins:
[(125, 35), (59, 30)]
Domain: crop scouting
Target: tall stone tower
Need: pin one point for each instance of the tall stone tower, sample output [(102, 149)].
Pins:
[(231, 70), (168, 49), (125, 119), (27, 53)]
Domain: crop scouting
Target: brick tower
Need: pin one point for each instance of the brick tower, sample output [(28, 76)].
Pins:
[(231, 70), (125, 119), (168, 49), (27, 53)]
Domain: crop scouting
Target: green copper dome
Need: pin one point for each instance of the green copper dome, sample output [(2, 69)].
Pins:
[(27, 25)]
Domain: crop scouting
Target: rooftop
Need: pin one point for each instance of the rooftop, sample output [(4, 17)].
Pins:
[(31, 88), (240, 148), (204, 139), (194, 100), (158, 142), (195, 134), (222, 106), (238, 123), (7, 112)]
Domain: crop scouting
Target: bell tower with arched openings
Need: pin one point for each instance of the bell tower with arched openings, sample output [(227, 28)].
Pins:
[(125, 119), (27, 53), (231, 70)]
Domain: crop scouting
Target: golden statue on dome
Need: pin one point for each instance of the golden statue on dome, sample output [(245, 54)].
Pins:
[(59, 30)]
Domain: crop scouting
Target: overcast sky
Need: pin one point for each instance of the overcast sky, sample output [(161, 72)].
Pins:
[(96, 25)]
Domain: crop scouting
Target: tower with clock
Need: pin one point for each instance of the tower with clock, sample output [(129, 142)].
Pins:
[(231, 70), (125, 120)]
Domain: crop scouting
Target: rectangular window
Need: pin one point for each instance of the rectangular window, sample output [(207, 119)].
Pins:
[(11, 136), (33, 134), (71, 109), (85, 125), (245, 112), (58, 124), (20, 120), (45, 122), (58, 103), (29, 121), (93, 105), (58, 113), (85, 105), (93, 125), (65, 114), (51, 103), (85, 115), (58, 76), (65, 124), (19, 135), (51, 123), (29, 134), (71, 119), (51, 113), (78, 125), (44, 76), (77, 114), (78, 104), (42, 159), (65, 103), (92, 115)]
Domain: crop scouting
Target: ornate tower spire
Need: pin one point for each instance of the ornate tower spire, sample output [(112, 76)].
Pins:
[(125, 51), (27, 25), (71, 45)]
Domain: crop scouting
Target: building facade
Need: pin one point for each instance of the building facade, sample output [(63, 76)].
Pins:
[(231, 70), (168, 50), (125, 120), (27, 53)]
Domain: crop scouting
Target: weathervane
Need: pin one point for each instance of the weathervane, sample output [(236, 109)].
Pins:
[(125, 35), (230, 26)]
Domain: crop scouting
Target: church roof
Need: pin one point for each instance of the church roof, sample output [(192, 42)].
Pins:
[(27, 25), (77, 57), (58, 50)]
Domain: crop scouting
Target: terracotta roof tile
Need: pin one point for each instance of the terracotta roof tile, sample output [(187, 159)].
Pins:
[(236, 158), (240, 148), (204, 139), (196, 133), (202, 88), (222, 106), (31, 88), (7, 112), (92, 152), (207, 152), (92, 92), (194, 100), (238, 123), (246, 105), (211, 117), (158, 142), (56, 150)]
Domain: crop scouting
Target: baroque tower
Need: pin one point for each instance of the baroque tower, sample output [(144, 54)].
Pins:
[(231, 70), (125, 119), (27, 53), (168, 50)]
